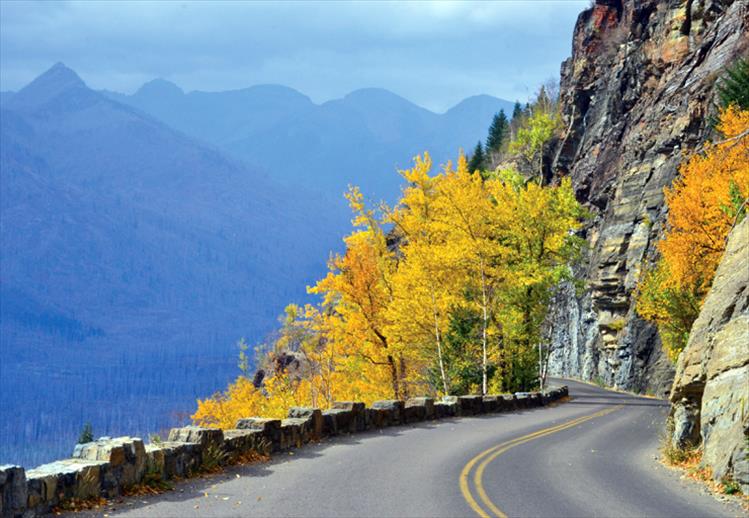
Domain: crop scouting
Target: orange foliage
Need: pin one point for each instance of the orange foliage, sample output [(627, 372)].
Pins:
[(704, 204), (700, 205)]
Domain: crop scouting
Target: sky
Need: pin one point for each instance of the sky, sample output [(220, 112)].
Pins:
[(432, 53)]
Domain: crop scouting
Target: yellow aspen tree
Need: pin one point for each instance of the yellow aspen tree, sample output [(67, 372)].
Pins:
[(537, 225), (469, 216), (358, 289), (430, 276)]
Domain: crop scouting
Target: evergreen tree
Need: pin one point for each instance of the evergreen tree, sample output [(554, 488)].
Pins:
[(87, 434), (733, 87), (477, 159), (497, 132), (517, 111)]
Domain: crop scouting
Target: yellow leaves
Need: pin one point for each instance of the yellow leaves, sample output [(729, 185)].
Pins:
[(457, 242), (535, 133), (701, 208), (241, 399), (419, 174), (703, 205), (733, 122)]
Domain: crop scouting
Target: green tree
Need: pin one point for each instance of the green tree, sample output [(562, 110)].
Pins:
[(87, 434), (537, 225), (462, 351), (733, 86), (517, 111), (477, 159), (533, 135), (497, 132), (244, 359)]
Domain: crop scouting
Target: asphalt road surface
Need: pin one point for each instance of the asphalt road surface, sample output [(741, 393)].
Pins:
[(592, 456)]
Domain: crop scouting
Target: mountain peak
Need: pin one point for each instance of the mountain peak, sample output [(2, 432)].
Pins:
[(369, 94), (58, 79), (60, 76), (160, 88)]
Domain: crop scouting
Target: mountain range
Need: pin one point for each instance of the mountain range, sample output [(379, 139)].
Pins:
[(363, 138), (143, 235)]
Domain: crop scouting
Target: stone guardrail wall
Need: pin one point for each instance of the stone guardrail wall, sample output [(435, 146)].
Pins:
[(107, 466)]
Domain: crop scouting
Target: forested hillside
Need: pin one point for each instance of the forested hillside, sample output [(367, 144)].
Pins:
[(133, 258)]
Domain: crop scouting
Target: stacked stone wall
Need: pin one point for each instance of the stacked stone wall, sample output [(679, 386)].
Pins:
[(108, 467)]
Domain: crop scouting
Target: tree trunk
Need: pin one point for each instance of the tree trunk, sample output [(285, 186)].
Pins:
[(540, 367), (394, 376), (402, 377), (438, 338), (483, 332)]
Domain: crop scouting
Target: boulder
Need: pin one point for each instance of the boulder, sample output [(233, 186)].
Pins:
[(522, 400), (470, 405), (419, 409), (295, 432), (535, 399), (314, 415), (447, 407), (169, 460), (270, 427), (490, 404), (50, 484), (710, 395), (126, 457), (13, 490), (391, 411), (508, 402), (206, 437), (239, 442), (337, 420), (358, 412)]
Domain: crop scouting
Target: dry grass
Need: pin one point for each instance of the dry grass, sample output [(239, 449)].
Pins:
[(250, 457), (80, 504), (688, 460)]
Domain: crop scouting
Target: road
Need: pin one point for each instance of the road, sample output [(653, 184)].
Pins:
[(591, 456)]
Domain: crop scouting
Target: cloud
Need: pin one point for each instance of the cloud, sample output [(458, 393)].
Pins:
[(434, 53)]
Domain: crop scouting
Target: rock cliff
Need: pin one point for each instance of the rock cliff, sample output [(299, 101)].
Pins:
[(710, 395), (637, 96)]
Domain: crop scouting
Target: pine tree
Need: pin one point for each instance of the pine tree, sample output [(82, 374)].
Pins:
[(733, 87), (497, 132), (477, 159), (517, 111), (87, 434)]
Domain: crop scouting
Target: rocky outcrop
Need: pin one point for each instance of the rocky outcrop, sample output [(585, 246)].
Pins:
[(710, 395), (637, 95)]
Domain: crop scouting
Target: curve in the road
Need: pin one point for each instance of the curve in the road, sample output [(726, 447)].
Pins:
[(490, 454), (575, 459)]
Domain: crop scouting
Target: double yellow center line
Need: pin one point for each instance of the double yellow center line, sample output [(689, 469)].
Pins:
[(487, 456)]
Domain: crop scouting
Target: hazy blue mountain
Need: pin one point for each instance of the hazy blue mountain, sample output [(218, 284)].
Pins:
[(360, 139), (135, 252), (133, 257), (4, 96)]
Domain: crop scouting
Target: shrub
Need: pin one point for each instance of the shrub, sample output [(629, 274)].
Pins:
[(733, 86), (87, 434), (729, 486), (214, 457)]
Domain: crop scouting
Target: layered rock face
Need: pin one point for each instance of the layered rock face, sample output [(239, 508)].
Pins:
[(637, 96), (711, 389)]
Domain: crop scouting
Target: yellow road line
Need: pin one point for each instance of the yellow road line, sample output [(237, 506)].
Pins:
[(469, 466), (492, 453)]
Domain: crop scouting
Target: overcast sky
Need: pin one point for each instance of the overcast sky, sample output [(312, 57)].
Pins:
[(433, 53)]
